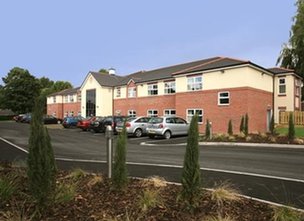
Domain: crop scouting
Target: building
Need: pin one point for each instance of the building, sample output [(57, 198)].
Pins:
[(218, 89), (64, 103)]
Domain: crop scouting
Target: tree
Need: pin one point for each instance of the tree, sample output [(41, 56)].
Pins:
[(19, 91), (45, 82), (246, 125), (191, 175), (120, 173), (104, 71), (292, 53), (291, 128), (61, 85), (40, 162), (208, 130), (242, 125), (272, 129), (230, 130)]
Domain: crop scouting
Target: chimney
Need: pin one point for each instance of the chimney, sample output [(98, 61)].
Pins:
[(112, 71)]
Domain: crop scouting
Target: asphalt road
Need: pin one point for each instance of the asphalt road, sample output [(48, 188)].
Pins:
[(247, 168)]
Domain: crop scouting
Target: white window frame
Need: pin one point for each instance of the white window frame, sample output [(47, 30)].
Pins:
[(282, 85), (195, 83), (131, 113), (71, 98), (170, 87), (194, 111), (132, 92), (54, 99), (66, 99), (152, 89), (221, 98), (152, 113), (118, 92), (169, 112)]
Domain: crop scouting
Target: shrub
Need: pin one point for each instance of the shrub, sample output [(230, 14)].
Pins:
[(208, 130), (149, 199), (225, 192), (191, 176), (8, 186), (246, 126), (230, 130), (219, 218), (41, 162), (242, 125), (271, 126), (285, 214), (77, 174), (65, 193), (291, 128), (120, 174)]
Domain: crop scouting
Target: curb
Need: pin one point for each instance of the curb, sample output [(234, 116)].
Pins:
[(294, 146)]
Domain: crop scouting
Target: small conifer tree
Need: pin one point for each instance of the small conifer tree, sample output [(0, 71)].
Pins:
[(208, 130), (230, 130), (191, 176), (291, 127), (242, 125), (41, 168), (246, 126), (271, 126), (120, 173)]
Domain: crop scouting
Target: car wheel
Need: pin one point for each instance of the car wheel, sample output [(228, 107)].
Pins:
[(167, 134), (151, 136), (138, 132)]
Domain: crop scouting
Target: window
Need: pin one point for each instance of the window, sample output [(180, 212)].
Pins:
[(152, 113), (169, 112), (78, 97), (91, 102), (131, 113), (66, 99), (170, 87), (282, 86), (54, 99), (192, 112), (118, 92), (298, 90), (194, 83), (223, 98), (152, 89), (132, 92), (71, 98)]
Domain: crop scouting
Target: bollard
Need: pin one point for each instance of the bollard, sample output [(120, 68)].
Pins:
[(109, 137), (210, 130)]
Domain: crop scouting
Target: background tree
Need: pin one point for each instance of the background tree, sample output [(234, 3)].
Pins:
[(291, 127), (292, 53), (104, 71), (191, 175), (61, 85), (19, 91), (41, 168), (230, 130), (120, 173)]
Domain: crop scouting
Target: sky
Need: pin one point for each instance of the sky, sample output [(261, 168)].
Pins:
[(65, 39)]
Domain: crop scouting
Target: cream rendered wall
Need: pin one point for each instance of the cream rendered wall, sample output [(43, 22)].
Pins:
[(142, 90), (106, 103), (123, 92), (58, 99), (284, 101)]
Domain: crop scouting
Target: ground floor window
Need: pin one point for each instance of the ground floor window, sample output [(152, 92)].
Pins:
[(223, 98), (152, 113), (191, 112), (168, 112), (131, 113)]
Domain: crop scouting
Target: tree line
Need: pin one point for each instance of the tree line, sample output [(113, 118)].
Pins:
[(20, 89)]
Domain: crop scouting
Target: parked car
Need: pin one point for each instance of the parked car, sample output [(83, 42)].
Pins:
[(69, 122), (85, 123), (167, 127), (26, 119), (49, 119), (101, 124), (136, 126), (19, 117)]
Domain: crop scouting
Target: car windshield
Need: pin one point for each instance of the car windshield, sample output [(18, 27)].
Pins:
[(131, 119), (156, 120)]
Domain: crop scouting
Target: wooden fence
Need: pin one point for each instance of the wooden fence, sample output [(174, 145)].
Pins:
[(297, 115)]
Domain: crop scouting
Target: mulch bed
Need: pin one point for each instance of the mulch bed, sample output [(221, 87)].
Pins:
[(99, 201)]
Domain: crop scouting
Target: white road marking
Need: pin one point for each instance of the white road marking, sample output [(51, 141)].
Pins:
[(170, 166)]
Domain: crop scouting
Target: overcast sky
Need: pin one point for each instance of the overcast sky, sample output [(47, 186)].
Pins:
[(65, 39)]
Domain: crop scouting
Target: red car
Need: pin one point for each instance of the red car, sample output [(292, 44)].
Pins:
[(85, 123)]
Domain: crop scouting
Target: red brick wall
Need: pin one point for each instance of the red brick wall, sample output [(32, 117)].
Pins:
[(55, 109), (71, 107), (61, 109)]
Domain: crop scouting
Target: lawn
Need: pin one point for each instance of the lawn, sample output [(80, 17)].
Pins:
[(284, 131)]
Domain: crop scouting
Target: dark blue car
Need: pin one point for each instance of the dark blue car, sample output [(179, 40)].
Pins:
[(69, 122)]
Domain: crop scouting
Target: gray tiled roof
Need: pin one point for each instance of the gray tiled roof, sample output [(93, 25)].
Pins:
[(105, 79), (277, 70), (66, 92)]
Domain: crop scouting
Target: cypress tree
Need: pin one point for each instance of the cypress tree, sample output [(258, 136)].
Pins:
[(242, 125), (41, 169), (120, 173), (291, 128), (191, 176), (207, 130), (230, 130), (272, 129), (246, 126)]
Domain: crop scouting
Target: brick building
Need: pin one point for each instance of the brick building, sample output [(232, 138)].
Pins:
[(218, 89)]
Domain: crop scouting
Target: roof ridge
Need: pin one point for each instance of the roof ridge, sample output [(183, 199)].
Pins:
[(281, 68), (200, 65), (236, 59)]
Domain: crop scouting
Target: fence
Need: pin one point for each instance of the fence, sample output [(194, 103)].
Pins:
[(297, 115)]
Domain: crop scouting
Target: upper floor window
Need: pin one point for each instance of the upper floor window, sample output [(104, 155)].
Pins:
[(71, 98), (192, 112), (152, 89), (79, 97), (118, 92), (298, 87), (194, 83), (170, 87), (282, 86), (132, 92), (54, 99), (66, 99), (223, 98), (152, 113), (132, 113), (169, 112)]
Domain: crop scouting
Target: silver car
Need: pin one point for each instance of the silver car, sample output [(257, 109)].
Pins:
[(136, 126), (167, 127)]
